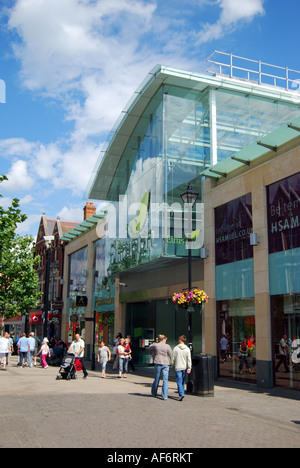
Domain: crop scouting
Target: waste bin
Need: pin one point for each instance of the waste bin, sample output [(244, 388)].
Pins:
[(203, 375)]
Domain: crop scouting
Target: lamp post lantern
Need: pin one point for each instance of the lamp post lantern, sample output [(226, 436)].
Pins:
[(189, 198)]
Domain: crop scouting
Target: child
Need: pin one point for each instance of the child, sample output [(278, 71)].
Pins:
[(45, 351), (127, 348), (104, 356)]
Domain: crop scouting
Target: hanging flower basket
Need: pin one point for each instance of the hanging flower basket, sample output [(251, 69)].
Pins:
[(194, 298)]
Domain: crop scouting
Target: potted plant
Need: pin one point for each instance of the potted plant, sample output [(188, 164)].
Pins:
[(193, 298)]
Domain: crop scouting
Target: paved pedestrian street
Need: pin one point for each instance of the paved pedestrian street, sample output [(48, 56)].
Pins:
[(38, 411)]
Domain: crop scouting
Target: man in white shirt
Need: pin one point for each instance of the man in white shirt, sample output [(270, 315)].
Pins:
[(77, 348), (4, 349), (182, 363)]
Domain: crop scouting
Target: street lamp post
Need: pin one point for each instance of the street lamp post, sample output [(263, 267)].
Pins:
[(189, 198), (48, 240)]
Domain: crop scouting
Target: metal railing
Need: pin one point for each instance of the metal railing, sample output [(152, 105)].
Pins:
[(253, 71)]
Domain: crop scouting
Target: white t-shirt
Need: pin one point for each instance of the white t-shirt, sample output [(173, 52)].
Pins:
[(121, 349), (45, 349), (76, 347), (4, 344)]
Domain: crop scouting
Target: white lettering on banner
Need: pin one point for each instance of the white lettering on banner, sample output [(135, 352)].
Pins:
[(283, 224), (242, 233), (282, 208)]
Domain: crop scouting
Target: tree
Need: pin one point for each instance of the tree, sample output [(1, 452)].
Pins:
[(19, 283)]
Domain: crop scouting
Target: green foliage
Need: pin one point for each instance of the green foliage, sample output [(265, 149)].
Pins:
[(19, 282)]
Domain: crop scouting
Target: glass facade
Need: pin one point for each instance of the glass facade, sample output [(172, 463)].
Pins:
[(283, 199), (285, 310), (234, 254), (174, 140), (77, 294), (242, 119), (233, 223), (103, 294), (235, 290), (146, 320), (236, 339), (173, 129)]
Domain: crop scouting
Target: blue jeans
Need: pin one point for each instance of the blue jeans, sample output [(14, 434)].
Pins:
[(123, 365), (180, 380), (164, 370), (29, 357)]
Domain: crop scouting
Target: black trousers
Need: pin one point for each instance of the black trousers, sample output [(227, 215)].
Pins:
[(83, 367), (282, 360)]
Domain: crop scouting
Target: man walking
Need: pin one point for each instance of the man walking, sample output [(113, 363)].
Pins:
[(283, 354), (77, 348), (32, 349), (24, 349), (182, 363), (161, 353), (5, 349)]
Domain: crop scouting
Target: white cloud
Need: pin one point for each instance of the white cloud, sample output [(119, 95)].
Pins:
[(5, 202), (63, 39), (88, 57), (75, 168), (18, 178), (27, 199), (50, 167), (25, 227), (18, 147), (73, 214), (232, 13)]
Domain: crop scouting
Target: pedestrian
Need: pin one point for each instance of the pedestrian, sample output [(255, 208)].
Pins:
[(244, 357), (77, 348), (32, 351), (115, 351), (161, 353), (104, 355), (45, 352), (123, 359), (182, 363), (37, 345), (23, 349), (130, 362), (11, 347), (283, 354), (5, 349), (223, 346)]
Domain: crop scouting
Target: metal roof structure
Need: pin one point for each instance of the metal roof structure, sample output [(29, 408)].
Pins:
[(245, 157), (232, 117), (256, 150)]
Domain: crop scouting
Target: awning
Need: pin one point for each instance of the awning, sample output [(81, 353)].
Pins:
[(248, 155), (83, 227)]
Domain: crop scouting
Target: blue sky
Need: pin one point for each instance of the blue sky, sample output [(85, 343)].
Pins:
[(70, 67)]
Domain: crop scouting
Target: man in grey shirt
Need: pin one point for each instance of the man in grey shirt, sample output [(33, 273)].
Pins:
[(162, 355)]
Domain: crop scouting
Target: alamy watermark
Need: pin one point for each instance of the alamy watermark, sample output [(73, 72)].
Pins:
[(154, 220), (2, 92)]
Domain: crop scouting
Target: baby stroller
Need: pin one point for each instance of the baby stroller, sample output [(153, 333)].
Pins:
[(67, 368)]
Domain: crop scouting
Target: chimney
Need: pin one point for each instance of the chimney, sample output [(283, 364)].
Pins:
[(89, 210)]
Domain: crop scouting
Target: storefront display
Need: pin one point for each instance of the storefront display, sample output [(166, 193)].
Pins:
[(284, 260)]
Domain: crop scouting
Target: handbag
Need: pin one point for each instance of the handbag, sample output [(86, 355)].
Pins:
[(78, 365)]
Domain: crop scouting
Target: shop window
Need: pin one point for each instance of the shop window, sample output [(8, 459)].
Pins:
[(286, 340), (232, 232), (236, 340), (284, 214)]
